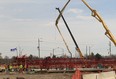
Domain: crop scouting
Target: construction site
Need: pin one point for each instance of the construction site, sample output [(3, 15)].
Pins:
[(65, 67)]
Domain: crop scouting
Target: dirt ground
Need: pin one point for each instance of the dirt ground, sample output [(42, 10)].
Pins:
[(37, 76)]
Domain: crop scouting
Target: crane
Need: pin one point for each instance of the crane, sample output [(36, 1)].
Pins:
[(77, 47), (56, 23), (99, 18)]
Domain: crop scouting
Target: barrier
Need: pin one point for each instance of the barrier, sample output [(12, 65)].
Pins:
[(77, 74), (60, 63), (91, 76)]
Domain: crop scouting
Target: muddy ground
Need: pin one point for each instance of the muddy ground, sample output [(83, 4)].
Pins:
[(37, 76)]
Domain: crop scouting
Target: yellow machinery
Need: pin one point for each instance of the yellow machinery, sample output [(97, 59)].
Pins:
[(98, 17), (57, 20), (77, 47)]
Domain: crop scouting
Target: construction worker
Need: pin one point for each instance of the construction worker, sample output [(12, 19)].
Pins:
[(10, 67), (20, 68)]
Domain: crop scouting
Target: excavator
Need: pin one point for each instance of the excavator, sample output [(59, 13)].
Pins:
[(99, 18)]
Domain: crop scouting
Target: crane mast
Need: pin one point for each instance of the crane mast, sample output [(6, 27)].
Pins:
[(77, 47), (99, 18)]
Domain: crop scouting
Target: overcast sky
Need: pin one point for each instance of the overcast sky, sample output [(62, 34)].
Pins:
[(22, 22)]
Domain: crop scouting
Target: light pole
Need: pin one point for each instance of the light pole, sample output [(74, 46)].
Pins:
[(58, 48)]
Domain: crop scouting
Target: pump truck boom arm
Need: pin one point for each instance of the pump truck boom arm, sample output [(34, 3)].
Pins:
[(56, 23), (64, 41), (99, 18), (77, 47), (58, 18)]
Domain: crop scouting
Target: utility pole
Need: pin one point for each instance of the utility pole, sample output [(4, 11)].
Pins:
[(17, 53), (53, 52), (89, 51), (20, 51), (38, 47), (110, 48), (86, 51)]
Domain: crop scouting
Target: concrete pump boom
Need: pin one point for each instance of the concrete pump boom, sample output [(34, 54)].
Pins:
[(56, 23), (77, 47), (98, 17), (58, 18)]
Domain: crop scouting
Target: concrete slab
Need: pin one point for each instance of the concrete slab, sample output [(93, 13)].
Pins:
[(91, 76), (102, 75)]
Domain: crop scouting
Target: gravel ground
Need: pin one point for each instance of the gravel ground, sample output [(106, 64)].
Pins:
[(37, 76)]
